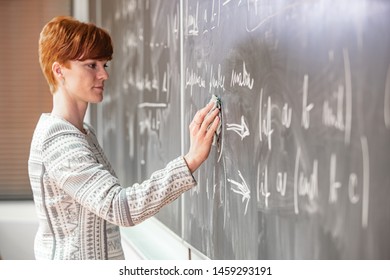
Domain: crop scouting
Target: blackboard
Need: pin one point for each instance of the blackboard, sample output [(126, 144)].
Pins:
[(141, 111), (301, 170)]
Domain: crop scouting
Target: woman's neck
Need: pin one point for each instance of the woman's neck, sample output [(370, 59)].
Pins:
[(71, 111)]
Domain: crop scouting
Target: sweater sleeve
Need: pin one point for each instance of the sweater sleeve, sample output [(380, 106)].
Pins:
[(69, 161)]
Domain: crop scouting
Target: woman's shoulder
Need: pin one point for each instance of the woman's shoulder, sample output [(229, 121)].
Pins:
[(50, 126), (89, 128)]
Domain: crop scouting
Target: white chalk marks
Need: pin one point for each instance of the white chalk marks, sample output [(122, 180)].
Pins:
[(304, 186), (241, 129), (306, 108), (297, 121), (241, 189), (265, 124), (242, 79)]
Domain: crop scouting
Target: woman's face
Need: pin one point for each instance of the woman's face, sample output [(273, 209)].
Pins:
[(84, 80)]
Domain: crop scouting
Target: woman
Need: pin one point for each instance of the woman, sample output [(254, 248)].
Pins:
[(79, 201)]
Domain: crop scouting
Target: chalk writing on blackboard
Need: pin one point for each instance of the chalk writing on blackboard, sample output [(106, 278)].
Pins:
[(241, 129), (265, 125), (306, 107), (300, 168), (242, 189), (242, 79)]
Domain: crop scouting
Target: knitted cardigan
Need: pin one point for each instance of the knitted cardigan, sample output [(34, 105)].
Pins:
[(80, 203)]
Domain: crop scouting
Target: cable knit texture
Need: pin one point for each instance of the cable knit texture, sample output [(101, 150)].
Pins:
[(79, 201)]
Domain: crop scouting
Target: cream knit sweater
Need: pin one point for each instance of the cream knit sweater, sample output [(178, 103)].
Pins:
[(79, 201)]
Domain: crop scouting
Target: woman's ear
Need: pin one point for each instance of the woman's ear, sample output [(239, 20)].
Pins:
[(58, 74), (57, 70)]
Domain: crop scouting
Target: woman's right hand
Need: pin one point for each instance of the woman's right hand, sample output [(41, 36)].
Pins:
[(202, 129)]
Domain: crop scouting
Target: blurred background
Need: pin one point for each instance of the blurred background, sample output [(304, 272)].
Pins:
[(24, 95)]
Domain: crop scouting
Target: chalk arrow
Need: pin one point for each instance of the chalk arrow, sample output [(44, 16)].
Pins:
[(242, 189), (240, 129)]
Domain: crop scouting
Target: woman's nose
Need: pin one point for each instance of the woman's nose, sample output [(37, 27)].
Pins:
[(103, 74)]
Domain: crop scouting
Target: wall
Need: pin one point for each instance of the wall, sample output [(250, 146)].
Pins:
[(18, 225)]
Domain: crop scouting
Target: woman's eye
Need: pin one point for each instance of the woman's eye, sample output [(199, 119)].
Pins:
[(105, 65), (92, 65)]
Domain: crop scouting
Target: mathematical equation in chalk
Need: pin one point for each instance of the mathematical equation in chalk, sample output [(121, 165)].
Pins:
[(335, 111)]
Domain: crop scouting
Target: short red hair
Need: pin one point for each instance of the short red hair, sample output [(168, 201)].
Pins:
[(65, 38)]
